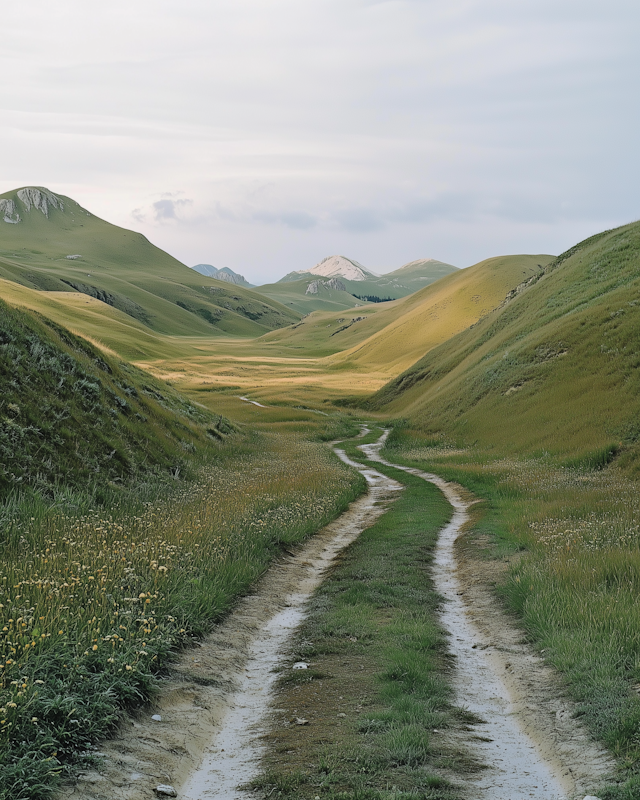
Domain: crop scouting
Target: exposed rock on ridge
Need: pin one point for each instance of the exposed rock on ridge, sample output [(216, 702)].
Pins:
[(332, 283), (9, 211), (30, 197), (224, 274), (340, 267)]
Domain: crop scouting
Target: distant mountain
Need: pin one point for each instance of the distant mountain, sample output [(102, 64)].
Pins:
[(223, 274), (50, 243), (311, 293), (334, 267), (304, 290)]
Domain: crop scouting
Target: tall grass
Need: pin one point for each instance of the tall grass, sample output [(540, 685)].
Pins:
[(93, 603), (577, 583)]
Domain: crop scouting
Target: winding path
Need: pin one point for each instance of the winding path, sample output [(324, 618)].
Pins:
[(215, 706)]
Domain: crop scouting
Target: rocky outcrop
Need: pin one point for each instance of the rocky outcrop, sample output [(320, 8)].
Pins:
[(332, 283), (224, 274), (9, 212), (337, 266), (231, 277), (39, 198), (31, 197)]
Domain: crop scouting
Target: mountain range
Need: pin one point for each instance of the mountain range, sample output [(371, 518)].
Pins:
[(48, 242), (312, 290), (223, 274)]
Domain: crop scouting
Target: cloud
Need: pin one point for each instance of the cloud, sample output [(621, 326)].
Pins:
[(168, 209), (391, 129)]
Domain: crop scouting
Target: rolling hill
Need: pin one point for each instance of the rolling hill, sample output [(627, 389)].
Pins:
[(330, 355), (553, 370), (71, 416), (357, 284), (50, 243), (391, 336), (312, 293)]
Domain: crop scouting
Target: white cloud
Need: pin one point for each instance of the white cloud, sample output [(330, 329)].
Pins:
[(391, 130)]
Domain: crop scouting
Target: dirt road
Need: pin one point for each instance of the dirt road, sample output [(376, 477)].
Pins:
[(530, 741), (213, 708)]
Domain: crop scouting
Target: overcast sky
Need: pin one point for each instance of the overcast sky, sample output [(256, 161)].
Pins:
[(263, 135)]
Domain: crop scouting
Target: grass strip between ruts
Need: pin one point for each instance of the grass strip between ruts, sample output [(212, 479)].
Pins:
[(376, 701)]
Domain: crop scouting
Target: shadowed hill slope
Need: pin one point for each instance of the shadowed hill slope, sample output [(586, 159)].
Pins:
[(554, 369), (50, 243), (72, 416)]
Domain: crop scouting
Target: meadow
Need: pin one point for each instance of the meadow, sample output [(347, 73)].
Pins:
[(520, 383), (574, 583), (95, 600)]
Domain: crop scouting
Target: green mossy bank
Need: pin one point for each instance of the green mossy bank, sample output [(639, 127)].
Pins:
[(72, 417)]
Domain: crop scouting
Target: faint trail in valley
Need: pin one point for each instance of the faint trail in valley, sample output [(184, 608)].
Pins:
[(530, 742), (253, 402)]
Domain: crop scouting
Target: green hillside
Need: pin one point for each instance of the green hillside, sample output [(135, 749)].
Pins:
[(403, 281), (391, 336), (50, 243), (293, 289), (312, 293), (71, 416), (553, 370)]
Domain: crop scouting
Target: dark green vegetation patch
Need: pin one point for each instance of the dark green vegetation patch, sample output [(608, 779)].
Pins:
[(72, 416)]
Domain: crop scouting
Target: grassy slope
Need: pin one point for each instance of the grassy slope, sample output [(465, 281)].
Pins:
[(80, 426), (294, 295), (554, 370), (331, 355), (71, 416), (404, 281), (128, 272), (111, 330), (437, 312), (94, 601), (392, 335), (571, 537)]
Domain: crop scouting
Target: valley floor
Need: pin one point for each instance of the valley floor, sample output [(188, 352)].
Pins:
[(380, 708)]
